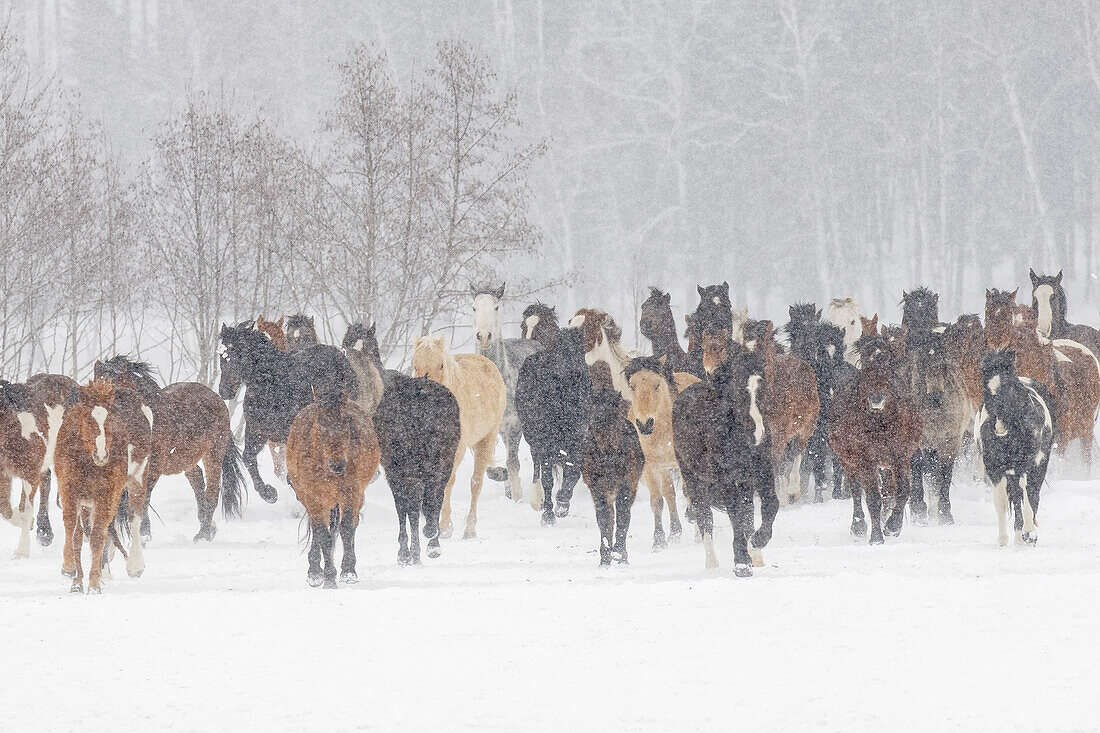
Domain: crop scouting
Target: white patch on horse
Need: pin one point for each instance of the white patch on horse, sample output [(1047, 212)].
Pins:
[(994, 384), (1048, 423), (133, 468), (751, 345), (27, 425), (296, 332), (576, 321), (754, 409), (1000, 503), (358, 345), (223, 350), (716, 300), (148, 415), (831, 350), (1059, 356), (532, 322), (999, 429), (54, 415), (1039, 458), (99, 414), (1043, 297), (1070, 344)]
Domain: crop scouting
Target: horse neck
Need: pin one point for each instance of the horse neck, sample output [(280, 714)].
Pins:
[(371, 385)]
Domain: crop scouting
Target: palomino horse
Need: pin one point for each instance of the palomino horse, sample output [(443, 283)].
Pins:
[(937, 388), (651, 413), (332, 454), (603, 345), (22, 455), (274, 331), (1015, 435), (721, 444), (508, 355), (791, 410), (1049, 306), (278, 386), (300, 332), (844, 314), (477, 385), (1068, 369), (189, 423), (714, 313), (554, 404), (611, 463), (540, 323), (103, 449), (657, 324), (418, 430), (877, 428)]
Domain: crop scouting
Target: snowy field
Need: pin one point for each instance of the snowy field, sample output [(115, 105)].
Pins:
[(520, 630)]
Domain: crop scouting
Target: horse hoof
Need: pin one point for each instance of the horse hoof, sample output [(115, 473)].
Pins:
[(876, 540), (675, 536), (446, 531), (659, 543), (742, 570), (859, 527), (349, 577), (498, 473), (206, 534), (605, 562), (1030, 539), (469, 534), (819, 497), (68, 573), (94, 591), (135, 573), (404, 557), (45, 536), (76, 587), (314, 580), (946, 519), (757, 556), (562, 509), (330, 584), (267, 493), (919, 517), (434, 551)]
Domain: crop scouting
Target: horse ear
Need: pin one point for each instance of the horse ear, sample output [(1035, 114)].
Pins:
[(662, 359), (500, 291), (874, 321), (1014, 293), (1058, 278), (1034, 277), (725, 288), (311, 320), (667, 297), (279, 322), (473, 290), (790, 311), (988, 294), (438, 338), (702, 291)]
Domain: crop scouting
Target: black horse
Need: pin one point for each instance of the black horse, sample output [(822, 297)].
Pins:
[(554, 404), (1015, 433), (657, 324), (920, 313), (714, 313), (279, 385), (1048, 303), (724, 453), (418, 431)]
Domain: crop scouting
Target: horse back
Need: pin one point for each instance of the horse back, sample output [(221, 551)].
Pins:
[(418, 428)]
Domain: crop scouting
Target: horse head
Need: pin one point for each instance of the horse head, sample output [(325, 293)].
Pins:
[(487, 322), (540, 323), (273, 331), (652, 392), (930, 375), (300, 331), (896, 338), (869, 326), (920, 309), (655, 320), (432, 359), (717, 348), (715, 311), (94, 403), (1048, 301), (1000, 314), (844, 314), (362, 340)]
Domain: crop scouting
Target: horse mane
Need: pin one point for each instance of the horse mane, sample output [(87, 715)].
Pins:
[(450, 364), (540, 309), (141, 372), (655, 292), (17, 396)]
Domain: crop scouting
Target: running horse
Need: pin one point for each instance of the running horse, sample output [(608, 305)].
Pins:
[(658, 325), (540, 323)]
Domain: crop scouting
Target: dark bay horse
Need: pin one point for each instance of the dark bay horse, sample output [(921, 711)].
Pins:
[(714, 313), (611, 463), (190, 424), (279, 385), (540, 323), (332, 454), (418, 428), (300, 332), (103, 449), (722, 446), (658, 325), (1049, 306)]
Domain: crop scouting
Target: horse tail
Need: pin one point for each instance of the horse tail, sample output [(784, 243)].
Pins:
[(120, 526), (232, 480)]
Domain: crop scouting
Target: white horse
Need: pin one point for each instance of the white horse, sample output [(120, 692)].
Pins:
[(844, 314)]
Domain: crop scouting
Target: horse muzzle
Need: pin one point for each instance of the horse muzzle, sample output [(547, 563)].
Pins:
[(877, 402), (338, 467), (100, 459), (645, 428)]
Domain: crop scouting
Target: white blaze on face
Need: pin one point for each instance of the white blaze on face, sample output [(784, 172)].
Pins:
[(1044, 294), (358, 345), (296, 332), (486, 321), (99, 414), (754, 409), (999, 428), (27, 425), (716, 300), (531, 322), (222, 350), (994, 384), (148, 415)]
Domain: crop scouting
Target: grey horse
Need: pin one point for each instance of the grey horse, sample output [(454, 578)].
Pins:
[(508, 355)]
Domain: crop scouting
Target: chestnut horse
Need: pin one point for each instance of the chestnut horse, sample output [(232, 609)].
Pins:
[(274, 331), (877, 427), (477, 385), (332, 454), (103, 449), (791, 410), (189, 423)]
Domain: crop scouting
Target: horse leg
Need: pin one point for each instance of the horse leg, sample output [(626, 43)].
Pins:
[(1000, 503), (446, 529), (328, 539), (198, 485), (794, 472), (349, 521), (98, 541), (135, 561), (769, 508), (432, 502), (253, 442), (545, 470), (151, 478), (314, 576), (483, 453), (704, 520), (874, 510), (624, 502), (945, 467), (278, 459), (668, 488), (1015, 499), (901, 497), (1086, 452), (859, 521), (414, 500), (69, 520), (570, 475), (45, 531), (1029, 535), (840, 490), (656, 503), (605, 522), (916, 499), (27, 495), (401, 504), (741, 517), (511, 442)]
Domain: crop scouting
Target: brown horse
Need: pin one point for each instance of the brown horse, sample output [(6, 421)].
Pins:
[(965, 343), (300, 331), (651, 414), (274, 331), (189, 423), (477, 385), (22, 455), (103, 449), (791, 409), (896, 339), (869, 326), (603, 345), (877, 428), (332, 454)]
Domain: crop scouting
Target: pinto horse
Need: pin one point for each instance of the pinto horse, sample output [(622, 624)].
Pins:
[(300, 332), (603, 345), (721, 444), (540, 323), (482, 398), (651, 414), (611, 464), (103, 448), (278, 386), (877, 427), (190, 424), (332, 454), (418, 429), (792, 409), (22, 455), (657, 324), (508, 355)]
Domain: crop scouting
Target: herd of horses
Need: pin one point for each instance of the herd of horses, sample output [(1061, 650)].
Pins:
[(846, 407)]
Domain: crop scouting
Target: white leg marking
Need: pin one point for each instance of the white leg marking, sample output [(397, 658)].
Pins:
[(754, 410), (54, 415), (708, 547), (1000, 503), (532, 321), (148, 415), (135, 563), (26, 521)]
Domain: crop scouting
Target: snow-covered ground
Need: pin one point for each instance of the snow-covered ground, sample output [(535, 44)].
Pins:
[(520, 630)]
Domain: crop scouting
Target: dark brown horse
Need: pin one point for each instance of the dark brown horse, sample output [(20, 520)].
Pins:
[(332, 454), (657, 324), (300, 331), (103, 450), (540, 323), (611, 464), (965, 343), (189, 423), (877, 428)]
